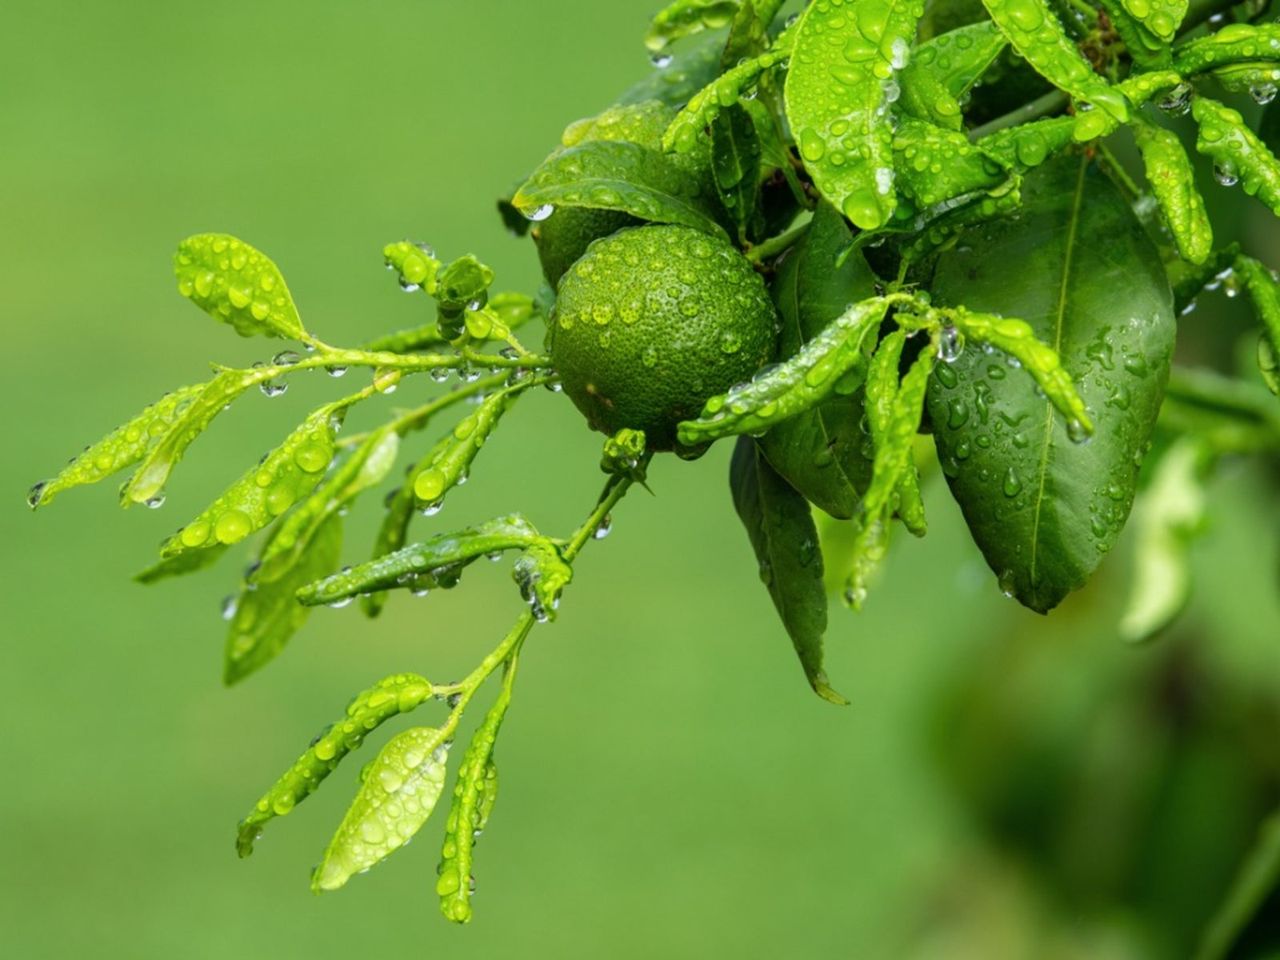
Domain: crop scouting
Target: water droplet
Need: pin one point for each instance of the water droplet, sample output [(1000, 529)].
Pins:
[(538, 214), (335, 371), (286, 358), (950, 344), (603, 527), (1012, 485), (156, 502), (229, 605), (661, 60)]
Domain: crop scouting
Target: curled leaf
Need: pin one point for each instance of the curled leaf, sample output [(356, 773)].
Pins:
[(1236, 151), (369, 709), (1173, 182), (398, 791), (727, 89), (237, 284)]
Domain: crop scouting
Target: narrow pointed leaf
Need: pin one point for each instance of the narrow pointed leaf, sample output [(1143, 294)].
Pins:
[(684, 18), (1234, 44), (236, 284), (821, 452), (830, 363), (621, 176), (1037, 34), (1149, 49), (286, 475), (122, 447), (936, 165), (735, 168), (1237, 151), (895, 448), (399, 790), (782, 534), (1264, 290), (416, 565), (1077, 267), (727, 89), (883, 389), (1173, 182), (836, 102), (369, 709), (451, 458)]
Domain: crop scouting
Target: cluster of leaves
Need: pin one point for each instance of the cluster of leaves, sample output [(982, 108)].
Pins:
[(954, 249)]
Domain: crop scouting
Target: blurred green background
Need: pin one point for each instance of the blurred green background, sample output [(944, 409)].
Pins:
[(1002, 786)]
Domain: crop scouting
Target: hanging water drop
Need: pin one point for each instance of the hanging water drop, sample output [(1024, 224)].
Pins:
[(538, 214)]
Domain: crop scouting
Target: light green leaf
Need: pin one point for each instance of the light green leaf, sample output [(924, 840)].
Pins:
[(620, 176), (821, 368), (937, 166), (1168, 517), (369, 709), (683, 136), (944, 69), (450, 460), (684, 18), (837, 106), (236, 284), (1133, 21), (424, 564), (1237, 44), (895, 446), (1173, 182), (1161, 17), (397, 794), (120, 448), (1236, 151), (1264, 290), (1043, 505), (821, 452), (542, 574), (1036, 33), (286, 475)]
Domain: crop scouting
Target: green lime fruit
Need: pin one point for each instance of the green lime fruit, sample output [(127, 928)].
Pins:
[(652, 322)]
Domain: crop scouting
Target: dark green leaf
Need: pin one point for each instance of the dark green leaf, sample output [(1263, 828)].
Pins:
[(785, 540), (1044, 508), (944, 69), (821, 452), (735, 168)]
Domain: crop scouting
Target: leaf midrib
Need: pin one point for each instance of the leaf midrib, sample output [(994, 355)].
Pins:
[(1046, 442)]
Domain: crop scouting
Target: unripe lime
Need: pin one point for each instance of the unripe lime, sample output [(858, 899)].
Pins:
[(652, 322)]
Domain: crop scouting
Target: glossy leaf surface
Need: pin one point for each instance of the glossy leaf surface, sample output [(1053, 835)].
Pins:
[(1044, 507), (236, 284)]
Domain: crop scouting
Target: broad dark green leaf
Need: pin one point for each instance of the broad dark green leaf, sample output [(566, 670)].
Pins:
[(397, 793), (823, 451), (236, 284), (620, 176), (785, 540), (369, 709), (1077, 266)]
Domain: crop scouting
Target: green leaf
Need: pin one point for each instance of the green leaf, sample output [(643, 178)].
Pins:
[(542, 574), (1168, 517), (266, 491), (685, 132), (836, 102), (236, 284), (936, 166), (1237, 44), (735, 168), (423, 564), (1028, 145), (895, 432), (1264, 290), (398, 791), (882, 402), (748, 33), (192, 420), (265, 615), (684, 18), (1236, 151), (474, 794), (1078, 268), (122, 447), (820, 451), (1036, 33), (369, 709), (303, 547), (1255, 881), (828, 364), (450, 460), (1173, 182), (1161, 17), (1149, 49), (180, 565), (785, 540), (620, 176), (944, 69)]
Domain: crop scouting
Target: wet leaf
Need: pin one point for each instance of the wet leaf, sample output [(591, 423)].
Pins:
[(236, 284), (1237, 152), (820, 451), (785, 540), (732, 86), (369, 709), (1043, 507), (837, 106), (1173, 182), (684, 18), (397, 794), (944, 69)]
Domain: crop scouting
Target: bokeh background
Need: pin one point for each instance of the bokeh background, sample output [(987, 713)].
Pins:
[(1003, 785)]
